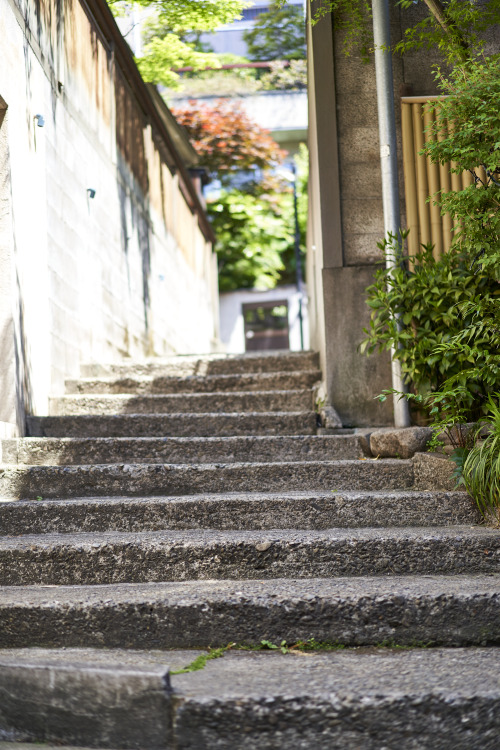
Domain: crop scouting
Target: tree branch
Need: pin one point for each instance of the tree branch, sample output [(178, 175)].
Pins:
[(437, 9)]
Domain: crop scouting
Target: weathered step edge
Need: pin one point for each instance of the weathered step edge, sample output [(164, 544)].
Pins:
[(281, 381), (175, 425), (239, 511), (432, 610), (62, 559), (132, 480), (68, 451), (79, 704), (183, 403), (221, 364)]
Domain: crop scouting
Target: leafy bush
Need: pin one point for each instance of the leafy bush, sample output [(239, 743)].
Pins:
[(255, 233), (427, 315)]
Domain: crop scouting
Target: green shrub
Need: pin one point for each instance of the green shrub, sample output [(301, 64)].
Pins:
[(481, 469), (427, 315)]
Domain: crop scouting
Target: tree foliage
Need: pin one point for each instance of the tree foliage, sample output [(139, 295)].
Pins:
[(466, 131), (227, 140), (278, 34), (454, 27), (252, 234), (168, 31), (252, 218)]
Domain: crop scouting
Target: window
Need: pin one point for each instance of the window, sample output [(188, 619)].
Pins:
[(250, 14)]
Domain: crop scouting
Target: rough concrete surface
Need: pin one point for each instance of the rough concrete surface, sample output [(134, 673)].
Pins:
[(305, 510), (131, 480), (64, 451), (416, 700), (174, 425), (40, 746), (431, 609), (182, 403), (282, 381), (402, 443), (189, 530), (214, 364), (116, 557), (433, 471), (105, 705)]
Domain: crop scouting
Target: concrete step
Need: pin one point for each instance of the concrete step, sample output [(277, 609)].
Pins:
[(354, 611), (54, 451), (210, 364), (114, 557), (267, 381), (256, 510), (175, 425), (355, 699), (39, 746), (416, 700), (182, 403), (135, 480), (85, 697)]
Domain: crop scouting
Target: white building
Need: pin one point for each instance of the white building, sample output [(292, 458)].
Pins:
[(253, 319)]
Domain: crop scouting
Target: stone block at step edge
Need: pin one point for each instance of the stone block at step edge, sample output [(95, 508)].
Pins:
[(434, 471), (329, 418), (399, 443)]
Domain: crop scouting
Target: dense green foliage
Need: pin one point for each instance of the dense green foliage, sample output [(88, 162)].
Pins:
[(453, 359), (467, 132), (419, 309), (255, 233), (171, 32), (253, 214), (278, 34), (251, 237), (453, 27)]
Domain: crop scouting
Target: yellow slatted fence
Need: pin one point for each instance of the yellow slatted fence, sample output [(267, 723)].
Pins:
[(422, 179)]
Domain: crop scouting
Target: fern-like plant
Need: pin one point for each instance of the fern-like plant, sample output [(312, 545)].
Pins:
[(481, 469)]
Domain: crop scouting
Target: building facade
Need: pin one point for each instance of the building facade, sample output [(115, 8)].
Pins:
[(105, 249), (346, 214)]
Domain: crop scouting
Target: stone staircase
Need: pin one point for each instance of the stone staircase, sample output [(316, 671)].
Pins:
[(170, 507)]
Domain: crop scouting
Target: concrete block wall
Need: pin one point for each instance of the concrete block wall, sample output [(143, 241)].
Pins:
[(346, 215), (129, 273)]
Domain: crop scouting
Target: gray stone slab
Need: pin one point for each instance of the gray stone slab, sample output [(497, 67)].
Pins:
[(266, 381), (416, 700), (64, 451), (434, 470), (175, 425), (182, 403), (215, 364), (109, 705), (39, 746), (432, 609), (399, 443), (305, 510), (114, 557), (132, 480)]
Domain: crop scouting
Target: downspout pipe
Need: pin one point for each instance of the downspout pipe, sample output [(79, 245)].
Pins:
[(389, 167)]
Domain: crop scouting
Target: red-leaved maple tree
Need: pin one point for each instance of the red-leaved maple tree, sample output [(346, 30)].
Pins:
[(226, 139)]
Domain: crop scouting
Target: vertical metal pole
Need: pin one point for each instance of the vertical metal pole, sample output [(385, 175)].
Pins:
[(298, 259), (389, 166)]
